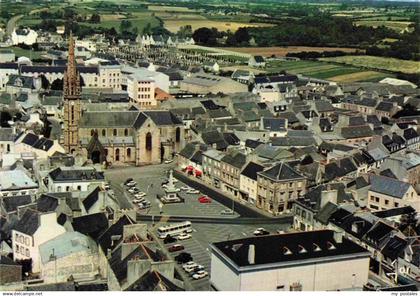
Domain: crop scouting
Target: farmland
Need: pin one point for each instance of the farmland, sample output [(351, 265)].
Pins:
[(282, 51), (398, 26), (173, 25), (380, 63), (323, 70)]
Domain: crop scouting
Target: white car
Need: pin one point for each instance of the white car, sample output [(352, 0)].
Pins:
[(188, 269), (169, 161), (131, 183), (189, 264), (184, 236), (140, 194), (227, 212), (139, 200), (133, 190), (200, 274), (193, 191), (185, 188)]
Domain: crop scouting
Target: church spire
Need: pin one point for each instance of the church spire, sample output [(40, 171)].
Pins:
[(71, 85)]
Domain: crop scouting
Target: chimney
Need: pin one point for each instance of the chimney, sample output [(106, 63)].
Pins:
[(251, 254), (338, 237), (328, 195)]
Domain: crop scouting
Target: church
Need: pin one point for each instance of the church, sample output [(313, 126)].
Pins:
[(139, 137)]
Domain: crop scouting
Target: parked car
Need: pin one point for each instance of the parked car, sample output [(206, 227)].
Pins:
[(107, 186), (176, 248), (200, 274), (183, 257), (196, 269), (169, 239), (138, 200), (193, 191), (133, 190), (188, 269), (185, 188), (189, 264), (140, 194), (227, 212), (169, 161), (184, 236), (128, 181), (261, 231), (131, 183), (204, 199)]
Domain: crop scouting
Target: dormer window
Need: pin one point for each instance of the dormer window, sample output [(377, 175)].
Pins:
[(286, 251), (302, 250), (316, 247), (330, 246)]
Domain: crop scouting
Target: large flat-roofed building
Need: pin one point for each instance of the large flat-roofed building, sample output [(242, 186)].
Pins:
[(302, 261), (205, 83)]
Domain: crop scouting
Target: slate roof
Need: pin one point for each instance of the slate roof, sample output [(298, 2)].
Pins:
[(26, 81), (251, 170), (394, 212), (110, 119), (153, 281), (237, 250), (91, 199), (281, 172), (12, 203), (388, 186), (235, 159), (274, 124), (231, 138), (161, 118), (29, 222), (360, 132), (46, 203), (92, 225), (105, 239), (292, 141), (385, 106), (75, 174), (325, 212), (252, 143), (57, 69), (378, 233), (410, 133), (214, 137)]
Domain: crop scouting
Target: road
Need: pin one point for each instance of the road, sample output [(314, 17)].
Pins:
[(11, 24)]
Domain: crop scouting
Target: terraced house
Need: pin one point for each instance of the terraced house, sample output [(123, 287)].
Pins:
[(278, 186)]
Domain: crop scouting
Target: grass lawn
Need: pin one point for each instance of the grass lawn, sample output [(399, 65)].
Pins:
[(19, 52), (380, 63)]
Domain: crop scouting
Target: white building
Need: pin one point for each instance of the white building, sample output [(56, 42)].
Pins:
[(303, 261), (142, 84), (16, 182), (38, 145), (66, 179), (60, 258), (32, 230), (7, 69), (25, 36), (248, 181)]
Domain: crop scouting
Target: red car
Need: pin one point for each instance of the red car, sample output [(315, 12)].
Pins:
[(175, 248), (204, 199)]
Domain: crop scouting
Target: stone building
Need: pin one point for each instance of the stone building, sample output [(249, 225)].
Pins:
[(146, 137), (277, 186)]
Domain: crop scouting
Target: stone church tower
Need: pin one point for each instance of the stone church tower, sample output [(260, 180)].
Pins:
[(72, 105)]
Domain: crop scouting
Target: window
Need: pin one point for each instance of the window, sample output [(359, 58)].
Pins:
[(125, 132), (59, 189), (149, 141), (396, 204), (178, 134), (79, 187), (129, 152), (67, 188), (115, 132), (117, 154), (386, 201), (104, 133)]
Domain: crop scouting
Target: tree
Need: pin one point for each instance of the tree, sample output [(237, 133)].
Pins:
[(185, 31), (95, 18), (147, 29), (45, 84), (125, 25), (57, 84), (205, 36)]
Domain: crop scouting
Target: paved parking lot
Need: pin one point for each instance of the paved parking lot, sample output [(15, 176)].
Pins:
[(149, 180), (204, 234)]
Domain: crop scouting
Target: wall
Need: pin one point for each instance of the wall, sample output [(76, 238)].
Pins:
[(221, 277), (314, 277), (10, 274)]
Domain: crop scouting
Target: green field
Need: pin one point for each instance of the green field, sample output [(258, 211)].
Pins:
[(380, 63), (19, 52), (324, 70)]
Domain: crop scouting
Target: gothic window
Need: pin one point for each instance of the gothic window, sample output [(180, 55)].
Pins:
[(148, 141), (103, 133), (126, 132), (115, 132), (128, 152), (178, 134), (72, 112)]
